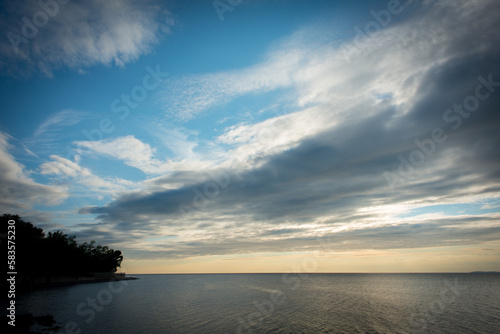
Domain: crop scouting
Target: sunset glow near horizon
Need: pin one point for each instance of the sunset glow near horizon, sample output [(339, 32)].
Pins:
[(257, 136)]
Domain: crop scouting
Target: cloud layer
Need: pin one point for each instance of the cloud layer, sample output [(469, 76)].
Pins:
[(319, 172)]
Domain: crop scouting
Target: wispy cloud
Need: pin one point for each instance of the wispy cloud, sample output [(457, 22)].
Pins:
[(188, 96), (79, 34), (61, 119), (49, 135), (19, 192)]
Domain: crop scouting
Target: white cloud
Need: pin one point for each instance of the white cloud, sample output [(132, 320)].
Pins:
[(93, 184), (252, 142), (128, 149), (135, 153), (177, 140)]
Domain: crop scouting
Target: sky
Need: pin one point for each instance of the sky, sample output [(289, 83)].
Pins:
[(257, 136)]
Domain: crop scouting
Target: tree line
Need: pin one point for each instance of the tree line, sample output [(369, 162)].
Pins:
[(55, 253)]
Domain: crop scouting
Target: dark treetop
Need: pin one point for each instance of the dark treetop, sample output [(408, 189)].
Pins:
[(55, 254)]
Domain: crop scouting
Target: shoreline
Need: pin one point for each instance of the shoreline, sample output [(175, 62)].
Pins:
[(54, 282)]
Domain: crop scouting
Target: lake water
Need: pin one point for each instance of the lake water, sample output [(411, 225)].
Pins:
[(276, 303)]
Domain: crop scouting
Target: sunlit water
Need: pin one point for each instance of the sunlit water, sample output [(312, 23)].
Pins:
[(276, 303)]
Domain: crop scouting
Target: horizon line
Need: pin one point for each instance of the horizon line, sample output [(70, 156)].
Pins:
[(302, 273)]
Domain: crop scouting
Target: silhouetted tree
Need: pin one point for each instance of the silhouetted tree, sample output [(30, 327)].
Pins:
[(55, 254)]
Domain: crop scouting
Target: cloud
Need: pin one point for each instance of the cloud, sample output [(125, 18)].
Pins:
[(175, 142), (18, 191), (129, 149), (78, 34), (93, 184), (140, 155), (48, 135), (60, 119), (188, 96), (318, 172), (392, 63)]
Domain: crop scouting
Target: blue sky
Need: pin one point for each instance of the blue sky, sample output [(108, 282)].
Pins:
[(198, 139)]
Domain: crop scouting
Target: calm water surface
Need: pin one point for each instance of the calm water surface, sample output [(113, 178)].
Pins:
[(276, 303)]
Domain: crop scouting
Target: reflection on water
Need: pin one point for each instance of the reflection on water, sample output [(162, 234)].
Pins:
[(274, 303)]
